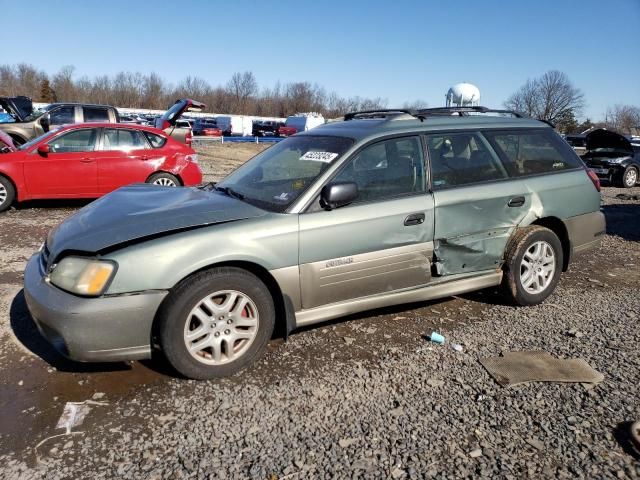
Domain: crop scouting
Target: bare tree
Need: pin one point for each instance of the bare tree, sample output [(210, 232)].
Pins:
[(241, 87), (552, 97), (623, 118), (63, 84)]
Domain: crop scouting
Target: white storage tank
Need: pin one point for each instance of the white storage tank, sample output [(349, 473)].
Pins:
[(463, 95)]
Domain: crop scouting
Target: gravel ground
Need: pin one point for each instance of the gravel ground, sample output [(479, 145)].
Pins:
[(370, 397)]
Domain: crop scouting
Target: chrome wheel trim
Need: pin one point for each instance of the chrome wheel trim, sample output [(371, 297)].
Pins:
[(538, 267), (631, 177), (164, 182), (221, 327), (3, 194)]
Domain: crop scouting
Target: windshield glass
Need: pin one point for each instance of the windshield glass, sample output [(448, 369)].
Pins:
[(274, 178), (38, 113), (31, 143)]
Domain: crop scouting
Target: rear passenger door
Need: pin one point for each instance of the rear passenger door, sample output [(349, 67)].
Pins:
[(477, 204), (125, 158), (380, 243)]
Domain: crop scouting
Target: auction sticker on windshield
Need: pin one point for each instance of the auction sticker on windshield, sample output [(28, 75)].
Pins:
[(325, 157)]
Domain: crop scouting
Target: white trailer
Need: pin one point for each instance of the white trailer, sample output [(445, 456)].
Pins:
[(235, 125), (304, 121)]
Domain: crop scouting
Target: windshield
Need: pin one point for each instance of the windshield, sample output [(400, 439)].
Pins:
[(31, 143), (274, 178), (38, 113)]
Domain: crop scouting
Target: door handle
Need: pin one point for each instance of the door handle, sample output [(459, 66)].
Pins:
[(516, 202), (414, 219), (86, 160)]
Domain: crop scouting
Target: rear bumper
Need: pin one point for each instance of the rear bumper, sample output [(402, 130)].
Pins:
[(586, 231), (100, 329)]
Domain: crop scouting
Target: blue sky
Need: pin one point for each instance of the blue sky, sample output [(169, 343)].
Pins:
[(398, 50)]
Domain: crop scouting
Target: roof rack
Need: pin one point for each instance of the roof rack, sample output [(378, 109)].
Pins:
[(463, 111), (380, 113)]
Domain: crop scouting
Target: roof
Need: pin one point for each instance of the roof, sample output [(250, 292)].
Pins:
[(360, 129), (130, 126), (79, 104)]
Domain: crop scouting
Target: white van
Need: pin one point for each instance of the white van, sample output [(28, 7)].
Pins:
[(235, 125)]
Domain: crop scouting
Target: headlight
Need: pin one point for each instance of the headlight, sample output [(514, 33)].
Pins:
[(618, 160), (83, 276)]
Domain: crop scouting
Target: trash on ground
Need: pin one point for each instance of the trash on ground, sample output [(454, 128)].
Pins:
[(575, 333), (627, 196), (74, 414), (435, 337), (534, 366), (457, 347)]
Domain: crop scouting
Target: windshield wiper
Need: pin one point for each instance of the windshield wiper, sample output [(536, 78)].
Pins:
[(230, 192)]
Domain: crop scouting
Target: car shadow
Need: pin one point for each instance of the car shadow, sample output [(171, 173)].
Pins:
[(622, 434), (27, 333), (623, 220), (59, 203)]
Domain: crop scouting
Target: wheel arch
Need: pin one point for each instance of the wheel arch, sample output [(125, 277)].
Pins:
[(285, 315), (557, 226), (12, 182)]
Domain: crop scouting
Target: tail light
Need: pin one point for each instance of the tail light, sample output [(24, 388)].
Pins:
[(188, 138), (594, 178)]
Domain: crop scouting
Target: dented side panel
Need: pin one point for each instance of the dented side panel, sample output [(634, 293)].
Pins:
[(473, 224)]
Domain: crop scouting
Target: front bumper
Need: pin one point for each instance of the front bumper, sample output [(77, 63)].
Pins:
[(608, 171), (103, 329)]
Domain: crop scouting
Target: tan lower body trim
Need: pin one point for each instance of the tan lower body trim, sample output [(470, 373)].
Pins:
[(429, 292)]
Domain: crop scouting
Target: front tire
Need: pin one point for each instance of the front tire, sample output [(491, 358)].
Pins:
[(216, 323), (533, 263), (7, 194), (629, 177)]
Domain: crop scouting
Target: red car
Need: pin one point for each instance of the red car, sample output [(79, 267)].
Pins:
[(89, 160)]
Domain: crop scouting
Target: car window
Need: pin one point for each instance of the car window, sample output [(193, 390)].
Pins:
[(533, 151), (62, 116), (386, 169), (75, 141), (462, 159), (122, 139), (96, 114), (157, 141)]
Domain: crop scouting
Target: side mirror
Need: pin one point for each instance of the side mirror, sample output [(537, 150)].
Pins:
[(339, 194), (44, 149), (44, 122)]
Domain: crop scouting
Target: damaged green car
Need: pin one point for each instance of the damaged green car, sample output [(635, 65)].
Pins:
[(383, 208)]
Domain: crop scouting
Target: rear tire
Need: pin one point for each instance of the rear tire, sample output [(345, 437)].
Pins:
[(7, 194), (216, 322), (164, 180), (533, 263)]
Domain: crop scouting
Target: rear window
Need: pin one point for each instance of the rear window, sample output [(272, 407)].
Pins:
[(156, 141), (531, 152), (95, 114)]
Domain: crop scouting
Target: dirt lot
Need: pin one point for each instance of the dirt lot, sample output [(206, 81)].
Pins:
[(366, 397)]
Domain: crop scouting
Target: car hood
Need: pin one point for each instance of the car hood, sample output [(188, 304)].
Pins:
[(138, 211), (602, 138)]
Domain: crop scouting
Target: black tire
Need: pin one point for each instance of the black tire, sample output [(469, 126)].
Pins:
[(162, 177), (518, 245), (7, 193), (628, 179), (187, 295)]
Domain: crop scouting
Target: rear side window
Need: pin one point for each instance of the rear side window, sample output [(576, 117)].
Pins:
[(75, 141), (95, 114), (156, 141), (123, 140), (532, 152), (462, 159)]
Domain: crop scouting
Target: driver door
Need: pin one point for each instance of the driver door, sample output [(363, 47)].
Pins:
[(68, 170), (380, 243)]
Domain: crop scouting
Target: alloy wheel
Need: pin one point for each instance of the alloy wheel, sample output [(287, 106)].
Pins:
[(3, 194), (221, 327), (538, 267), (631, 177), (164, 182)]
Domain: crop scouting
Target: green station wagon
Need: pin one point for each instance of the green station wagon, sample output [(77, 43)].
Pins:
[(383, 208)]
